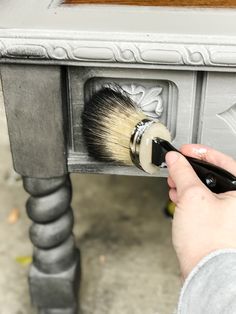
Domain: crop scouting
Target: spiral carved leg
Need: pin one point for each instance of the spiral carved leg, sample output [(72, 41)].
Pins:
[(54, 274)]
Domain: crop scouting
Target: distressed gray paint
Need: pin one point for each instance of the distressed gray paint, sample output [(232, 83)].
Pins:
[(33, 101), (150, 49), (55, 272), (87, 33), (49, 14), (179, 99), (149, 45), (218, 115)]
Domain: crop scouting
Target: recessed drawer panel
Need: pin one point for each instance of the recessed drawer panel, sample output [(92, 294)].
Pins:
[(218, 115), (165, 95)]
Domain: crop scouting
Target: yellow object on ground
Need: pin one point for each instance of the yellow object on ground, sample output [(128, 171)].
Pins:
[(24, 260), (170, 209)]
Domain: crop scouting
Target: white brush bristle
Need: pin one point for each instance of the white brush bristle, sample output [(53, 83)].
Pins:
[(121, 123), (109, 119)]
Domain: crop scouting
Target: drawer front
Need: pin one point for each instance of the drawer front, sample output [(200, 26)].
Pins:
[(166, 95), (218, 115)]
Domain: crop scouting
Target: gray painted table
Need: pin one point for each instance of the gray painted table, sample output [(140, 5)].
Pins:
[(178, 64)]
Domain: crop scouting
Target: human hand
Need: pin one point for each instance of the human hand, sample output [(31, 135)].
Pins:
[(203, 221)]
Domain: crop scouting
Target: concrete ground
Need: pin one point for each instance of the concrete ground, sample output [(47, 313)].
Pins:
[(129, 266)]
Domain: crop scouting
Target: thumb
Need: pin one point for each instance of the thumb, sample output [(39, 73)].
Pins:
[(181, 172)]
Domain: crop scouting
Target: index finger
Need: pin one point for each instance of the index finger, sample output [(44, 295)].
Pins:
[(210, 155), (182, 173)]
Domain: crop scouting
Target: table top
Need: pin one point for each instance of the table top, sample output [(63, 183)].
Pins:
[(54, 30), (53, 14), (199, 3)]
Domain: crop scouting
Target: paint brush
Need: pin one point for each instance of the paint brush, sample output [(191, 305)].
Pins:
[(114, 129)]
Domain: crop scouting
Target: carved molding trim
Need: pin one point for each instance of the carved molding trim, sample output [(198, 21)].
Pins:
[(147, 99), (229, 116), (172, 50)]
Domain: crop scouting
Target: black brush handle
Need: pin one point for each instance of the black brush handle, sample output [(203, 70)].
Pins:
[(217, 179)]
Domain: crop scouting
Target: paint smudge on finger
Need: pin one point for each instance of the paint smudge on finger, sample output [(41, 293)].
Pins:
[(200, 152)]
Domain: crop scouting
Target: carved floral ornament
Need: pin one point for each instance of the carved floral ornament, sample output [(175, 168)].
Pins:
[(147, 99), (229, 116)]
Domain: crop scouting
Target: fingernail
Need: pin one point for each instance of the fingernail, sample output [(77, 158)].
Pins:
[(171, 158)]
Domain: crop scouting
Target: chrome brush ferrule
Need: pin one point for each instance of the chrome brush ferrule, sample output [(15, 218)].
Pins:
[(135, 140)]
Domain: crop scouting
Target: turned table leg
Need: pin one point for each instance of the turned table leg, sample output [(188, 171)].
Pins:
[(54, 274), (36, 107)]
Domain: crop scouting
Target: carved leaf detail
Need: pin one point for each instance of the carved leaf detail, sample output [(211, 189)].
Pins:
[(135, 92), (152, 101), (229, 116), (148, 99)]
